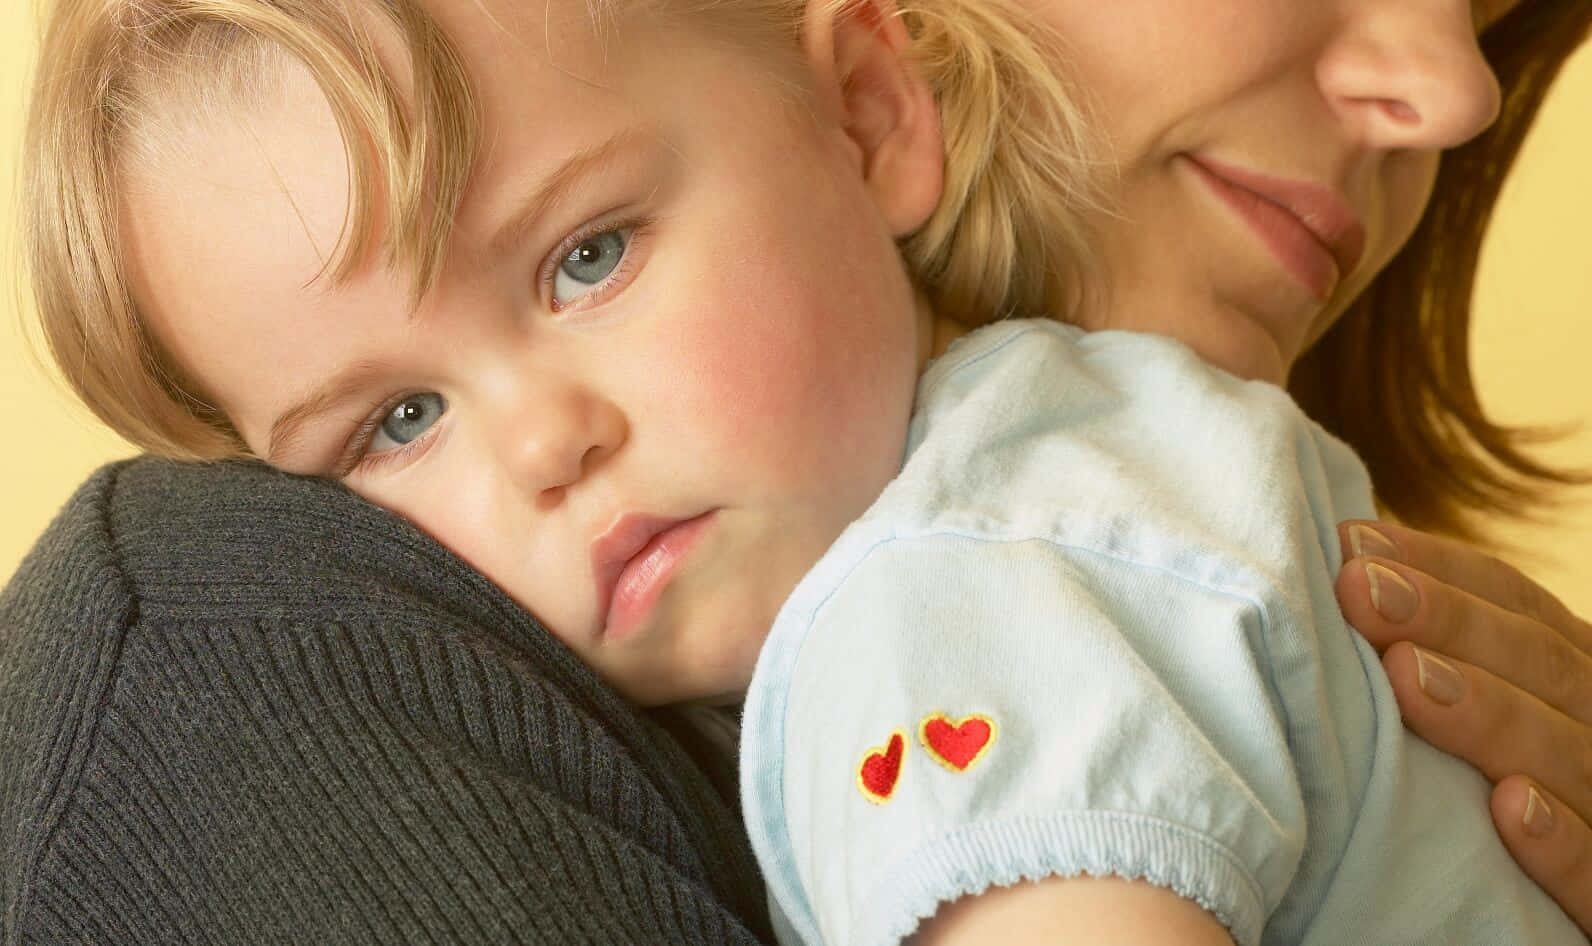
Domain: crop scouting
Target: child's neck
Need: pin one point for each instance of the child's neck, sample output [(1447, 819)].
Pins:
[(943, 330)]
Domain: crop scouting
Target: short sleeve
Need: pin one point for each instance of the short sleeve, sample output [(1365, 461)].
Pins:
[(943, 713)]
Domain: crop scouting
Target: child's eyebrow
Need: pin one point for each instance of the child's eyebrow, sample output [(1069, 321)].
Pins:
[(556, 187), (290, 423)]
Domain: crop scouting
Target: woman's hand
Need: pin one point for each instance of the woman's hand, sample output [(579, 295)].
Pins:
[(1490, 667)]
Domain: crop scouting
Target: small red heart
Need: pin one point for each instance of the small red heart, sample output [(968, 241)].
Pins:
[(959, 745), (880, 769)]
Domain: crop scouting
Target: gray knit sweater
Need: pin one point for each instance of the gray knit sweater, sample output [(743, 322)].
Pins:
[(243, 707)]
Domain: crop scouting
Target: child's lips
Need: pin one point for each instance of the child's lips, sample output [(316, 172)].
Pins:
[(634, 561)]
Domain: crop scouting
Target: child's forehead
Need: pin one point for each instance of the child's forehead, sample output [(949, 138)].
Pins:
[(542, 88), (580, 40), (556, 88), (551, 117), (525, 54)]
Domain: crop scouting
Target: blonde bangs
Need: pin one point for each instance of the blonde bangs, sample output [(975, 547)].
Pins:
[(112, 71), (116, 75)]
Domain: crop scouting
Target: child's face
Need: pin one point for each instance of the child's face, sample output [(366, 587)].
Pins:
[(704, 328)]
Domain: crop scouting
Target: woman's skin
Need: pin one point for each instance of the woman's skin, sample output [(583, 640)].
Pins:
[(1338, 109)]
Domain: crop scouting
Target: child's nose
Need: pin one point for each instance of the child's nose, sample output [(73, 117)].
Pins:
[(1409, 74), (555, 433)]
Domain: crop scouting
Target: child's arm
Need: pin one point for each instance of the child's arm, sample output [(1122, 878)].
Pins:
[(934, 742), (1100, 910)]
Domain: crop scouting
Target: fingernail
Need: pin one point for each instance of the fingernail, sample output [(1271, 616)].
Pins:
[(1438, 678), (1364, 540), (1392, 596), (1539, 817)]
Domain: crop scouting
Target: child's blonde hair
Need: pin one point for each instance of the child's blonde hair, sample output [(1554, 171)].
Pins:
[(1006, 238)]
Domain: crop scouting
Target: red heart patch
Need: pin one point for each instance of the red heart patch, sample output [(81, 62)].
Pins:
[(881, 767), (957, 746)]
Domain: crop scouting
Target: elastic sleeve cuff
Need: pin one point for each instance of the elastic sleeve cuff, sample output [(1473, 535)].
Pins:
[(978, 856)]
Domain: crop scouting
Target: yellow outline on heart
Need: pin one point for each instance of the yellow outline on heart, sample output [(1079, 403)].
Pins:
[(923, 737), (883, 750)]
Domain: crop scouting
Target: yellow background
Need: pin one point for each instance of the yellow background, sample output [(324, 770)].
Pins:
[(1533, 340)]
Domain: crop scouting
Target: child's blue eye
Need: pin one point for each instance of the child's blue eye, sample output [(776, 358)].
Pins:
[(588, 264), (408, 419)]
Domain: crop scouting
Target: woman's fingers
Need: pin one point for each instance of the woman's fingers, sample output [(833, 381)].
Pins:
[(1552, 843), (1472, 714), (1488, 666), (1462, 566), (1389, 601), (1468, 712)]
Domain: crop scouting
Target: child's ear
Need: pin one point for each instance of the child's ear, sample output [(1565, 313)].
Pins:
[(857, 50)]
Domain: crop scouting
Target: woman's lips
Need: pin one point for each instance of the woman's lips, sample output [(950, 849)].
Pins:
[(1308, 228), (633, 563)]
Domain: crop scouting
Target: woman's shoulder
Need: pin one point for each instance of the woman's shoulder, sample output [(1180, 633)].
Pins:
[(239, 536), (216, 543), (150, 553), (262, 680)]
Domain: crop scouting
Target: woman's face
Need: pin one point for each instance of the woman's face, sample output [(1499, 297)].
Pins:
[(1271, 155)]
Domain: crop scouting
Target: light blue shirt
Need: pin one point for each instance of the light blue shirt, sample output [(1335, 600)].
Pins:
[(1090, 628)]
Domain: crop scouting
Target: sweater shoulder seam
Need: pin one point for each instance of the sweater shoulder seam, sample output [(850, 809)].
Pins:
[(59, 799)]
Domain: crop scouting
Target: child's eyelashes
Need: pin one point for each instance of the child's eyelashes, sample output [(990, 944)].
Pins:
[(587, 266), (591, 263), (393, 432), (407, 420)]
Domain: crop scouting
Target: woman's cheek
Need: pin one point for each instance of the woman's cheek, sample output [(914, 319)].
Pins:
[(1409, 179)]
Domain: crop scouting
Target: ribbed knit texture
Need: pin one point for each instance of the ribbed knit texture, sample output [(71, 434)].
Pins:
[(243, 707)]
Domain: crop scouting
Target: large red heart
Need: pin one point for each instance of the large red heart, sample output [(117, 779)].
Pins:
[(880, 768), (957, 745)]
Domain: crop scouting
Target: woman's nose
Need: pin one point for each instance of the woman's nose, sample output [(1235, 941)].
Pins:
[(554, 433), (1409, 74)]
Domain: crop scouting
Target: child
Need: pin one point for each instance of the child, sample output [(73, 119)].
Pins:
[(643, 354)]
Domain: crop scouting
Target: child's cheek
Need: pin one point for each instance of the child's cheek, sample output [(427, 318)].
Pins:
[(800, 392)]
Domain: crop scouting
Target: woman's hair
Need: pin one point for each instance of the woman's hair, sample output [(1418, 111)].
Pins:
[(1009, 236)]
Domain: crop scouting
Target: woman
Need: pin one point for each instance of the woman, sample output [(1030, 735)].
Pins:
[(1392, 375), (327, 680)]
